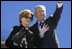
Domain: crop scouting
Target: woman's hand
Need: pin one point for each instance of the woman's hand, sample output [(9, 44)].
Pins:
[(44, 29)]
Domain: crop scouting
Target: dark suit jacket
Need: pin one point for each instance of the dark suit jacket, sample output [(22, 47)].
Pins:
[(49, 40)]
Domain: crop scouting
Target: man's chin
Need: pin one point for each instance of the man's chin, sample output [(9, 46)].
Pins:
[(43, 16), (42, 19)]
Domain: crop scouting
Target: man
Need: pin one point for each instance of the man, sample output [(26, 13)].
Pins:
[(46, 39)]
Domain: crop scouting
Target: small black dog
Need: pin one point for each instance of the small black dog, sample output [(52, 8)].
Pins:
[(23, 34), (17, 38)]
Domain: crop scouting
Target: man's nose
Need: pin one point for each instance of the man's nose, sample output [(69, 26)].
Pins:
[(42, 12)]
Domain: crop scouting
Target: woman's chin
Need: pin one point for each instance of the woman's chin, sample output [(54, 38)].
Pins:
[(27, 23)]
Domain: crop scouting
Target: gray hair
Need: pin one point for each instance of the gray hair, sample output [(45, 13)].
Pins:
[(39, 6)]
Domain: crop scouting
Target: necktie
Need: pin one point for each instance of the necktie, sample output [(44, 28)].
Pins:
[(40, 23)]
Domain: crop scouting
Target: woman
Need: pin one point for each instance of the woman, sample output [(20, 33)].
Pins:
[(25, 17)]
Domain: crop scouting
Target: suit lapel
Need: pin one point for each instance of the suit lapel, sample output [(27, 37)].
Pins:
[(36, 28)]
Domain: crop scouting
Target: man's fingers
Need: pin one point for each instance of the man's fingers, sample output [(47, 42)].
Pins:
[(44, 25), (47, 28)]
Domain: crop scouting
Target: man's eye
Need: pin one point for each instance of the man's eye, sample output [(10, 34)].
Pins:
[(42, 10)]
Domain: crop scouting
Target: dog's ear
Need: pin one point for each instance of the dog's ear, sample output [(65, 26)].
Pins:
[(24, 44)]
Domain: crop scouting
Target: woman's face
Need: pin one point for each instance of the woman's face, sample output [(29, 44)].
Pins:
[(26, 20)]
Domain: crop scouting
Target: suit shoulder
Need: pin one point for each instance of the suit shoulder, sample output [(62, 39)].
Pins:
[(33, 26), (49, 17), (15, 27)]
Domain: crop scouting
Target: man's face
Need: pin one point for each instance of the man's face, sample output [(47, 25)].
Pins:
[(40, 13)]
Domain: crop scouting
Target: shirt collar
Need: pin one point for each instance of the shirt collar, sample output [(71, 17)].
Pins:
[(39, 22), (42, 21)]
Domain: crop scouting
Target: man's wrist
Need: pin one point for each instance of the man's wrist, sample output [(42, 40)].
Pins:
[(59, 5), (41, 35)]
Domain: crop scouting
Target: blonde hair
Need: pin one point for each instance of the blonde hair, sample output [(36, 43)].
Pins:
[(39, 6), (24, 13)]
